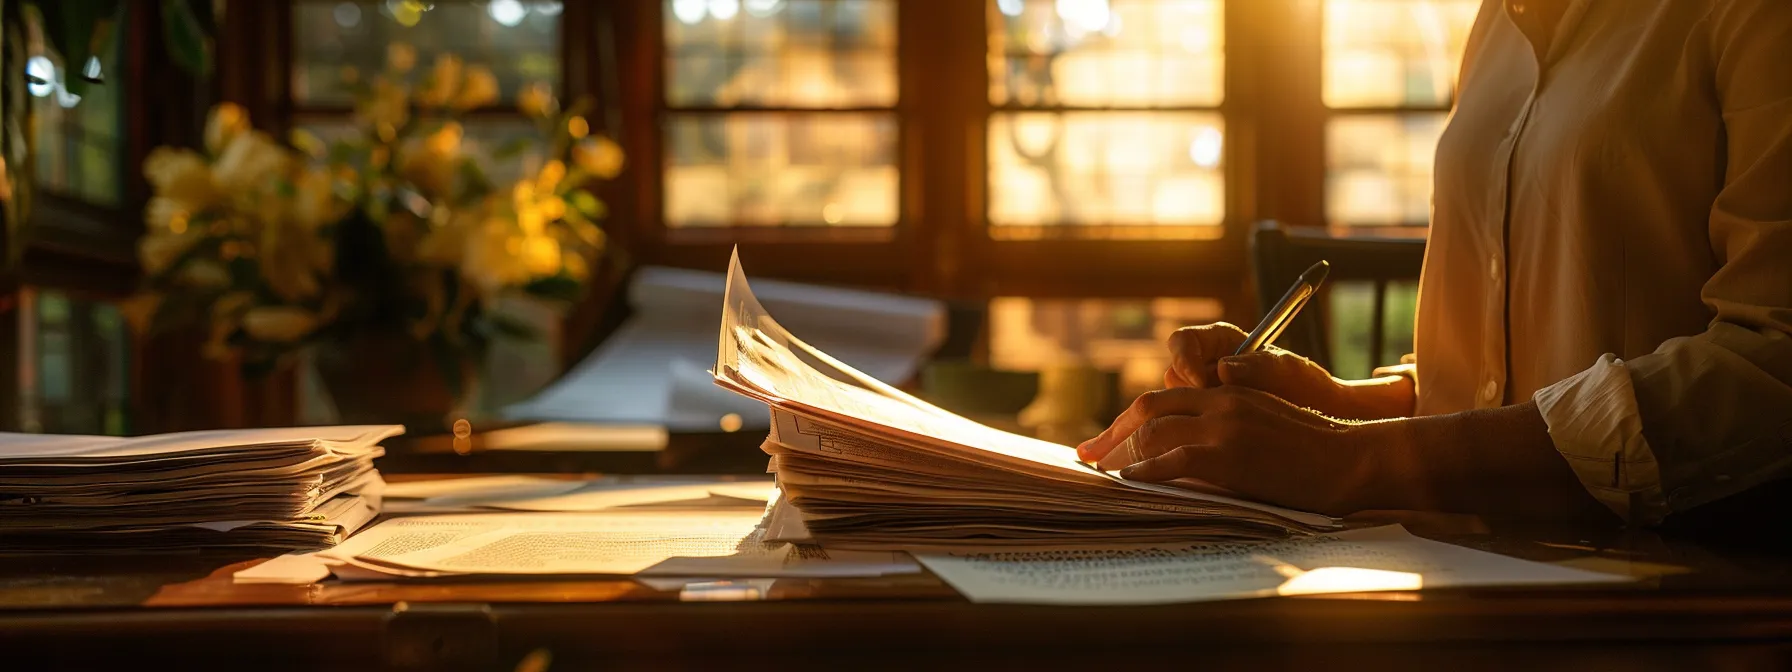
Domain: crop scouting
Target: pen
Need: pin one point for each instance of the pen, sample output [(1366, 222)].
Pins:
[(1284, 311)]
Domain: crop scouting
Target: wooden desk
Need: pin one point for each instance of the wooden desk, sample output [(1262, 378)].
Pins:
[(1699, 606)]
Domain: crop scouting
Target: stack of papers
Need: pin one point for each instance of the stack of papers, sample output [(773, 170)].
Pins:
[(262, 488), (863, 465), (606, 527)]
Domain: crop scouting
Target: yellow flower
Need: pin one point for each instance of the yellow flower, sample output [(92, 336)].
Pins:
[(481, 88), (204, 274), (550, 177), (226, 122), (182, 176), (599, 156), (279, 324), (431, 163), (166, 215), (537, 100), (387, 107), (576, 265), (541, 255), (232, 305), (314, 202), (492, 260), (158, 250), (400, 57), (290, 258), (444, 81), (249, 162)]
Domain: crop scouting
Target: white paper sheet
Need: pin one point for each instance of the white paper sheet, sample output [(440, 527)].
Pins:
[(709, 543), (1382, 558), (528, 493), (652, 369)]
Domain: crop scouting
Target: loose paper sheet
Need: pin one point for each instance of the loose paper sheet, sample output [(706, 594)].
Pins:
[(1382, 558), (710, 543), (529, 493)]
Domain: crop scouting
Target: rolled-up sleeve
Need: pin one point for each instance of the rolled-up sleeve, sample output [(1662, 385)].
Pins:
[(1710, 415)]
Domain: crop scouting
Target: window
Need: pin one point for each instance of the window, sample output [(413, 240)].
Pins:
[(73, 374), (79, 138), (780, 112), (1106, 115), (1390, 69)]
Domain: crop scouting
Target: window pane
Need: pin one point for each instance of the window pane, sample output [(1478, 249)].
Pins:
[(73, 368), (1106, 168), (79, 138), (1124, 335), (518, 40), (1378, 168), (1393, 53), (835, 169), (781, 53), (1080, 53)]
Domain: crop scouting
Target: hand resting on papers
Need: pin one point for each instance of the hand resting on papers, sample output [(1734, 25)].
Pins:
[(1279, 429)]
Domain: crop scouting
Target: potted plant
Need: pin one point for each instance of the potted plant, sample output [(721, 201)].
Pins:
[(382, 254)]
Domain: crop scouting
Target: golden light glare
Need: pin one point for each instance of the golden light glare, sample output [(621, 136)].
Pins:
[(1349, 580)]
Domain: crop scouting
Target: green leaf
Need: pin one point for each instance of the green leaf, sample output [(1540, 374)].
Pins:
[(559, 288), (189, 42), (587, 204)]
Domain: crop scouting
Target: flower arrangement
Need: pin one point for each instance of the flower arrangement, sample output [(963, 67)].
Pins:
[(396, 231)]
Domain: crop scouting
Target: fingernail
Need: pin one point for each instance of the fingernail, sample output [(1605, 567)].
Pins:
[(1129, 471)]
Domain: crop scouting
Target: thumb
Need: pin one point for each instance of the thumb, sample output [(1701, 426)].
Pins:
[(1258, 370), (1285, 375)]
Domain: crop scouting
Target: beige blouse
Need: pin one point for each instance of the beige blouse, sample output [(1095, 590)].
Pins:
[(1612, 237)]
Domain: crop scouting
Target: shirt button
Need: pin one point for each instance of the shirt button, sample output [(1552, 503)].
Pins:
[(1489, 390), (1493, 268)]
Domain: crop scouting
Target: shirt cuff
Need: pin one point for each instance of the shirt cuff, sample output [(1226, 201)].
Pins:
[(1596, 425)]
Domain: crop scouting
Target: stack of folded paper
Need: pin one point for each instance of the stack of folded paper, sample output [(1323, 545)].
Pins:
[(863, 465), (264, 488)]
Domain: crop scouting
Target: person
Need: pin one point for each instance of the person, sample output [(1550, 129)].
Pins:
[(1605, 312)]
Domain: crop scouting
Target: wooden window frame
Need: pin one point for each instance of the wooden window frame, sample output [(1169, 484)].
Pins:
[(941, 245)]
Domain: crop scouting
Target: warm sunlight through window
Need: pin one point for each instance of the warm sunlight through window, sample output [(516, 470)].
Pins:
[(1106, 168), (1390, 78), (1394, 53), (728, 163), (1152, 154)]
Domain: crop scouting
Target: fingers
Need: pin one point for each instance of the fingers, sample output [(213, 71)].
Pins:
[(1156, 437), (1172, 401), (1166, 467), (1195, 351)]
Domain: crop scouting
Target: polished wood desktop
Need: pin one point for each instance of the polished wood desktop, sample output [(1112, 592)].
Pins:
[(1695, 604)]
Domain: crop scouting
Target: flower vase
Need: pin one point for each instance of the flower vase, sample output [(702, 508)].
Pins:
[(388, 377)]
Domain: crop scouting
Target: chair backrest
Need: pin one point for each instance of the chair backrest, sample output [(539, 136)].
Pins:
[(1279, 254)]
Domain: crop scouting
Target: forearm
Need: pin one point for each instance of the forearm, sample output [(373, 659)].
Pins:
[(1498, 462)]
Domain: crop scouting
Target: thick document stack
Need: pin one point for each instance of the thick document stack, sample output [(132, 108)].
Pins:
[(292, 488), (863, 465)]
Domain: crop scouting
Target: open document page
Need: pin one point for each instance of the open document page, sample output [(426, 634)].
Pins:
[(871, 466), (1376, 559)]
